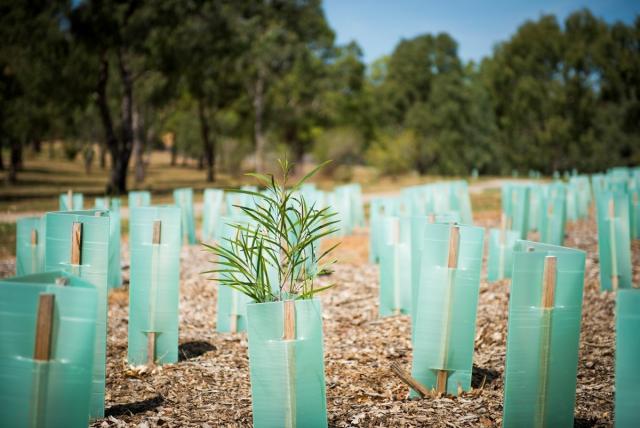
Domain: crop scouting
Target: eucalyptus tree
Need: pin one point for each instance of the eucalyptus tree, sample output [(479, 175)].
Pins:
[(115, 36), (198, 51), (273, 34), (34, 72)]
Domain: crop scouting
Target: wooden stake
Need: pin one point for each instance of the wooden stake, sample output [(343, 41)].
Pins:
[(441, 382), (151, 348), (431, 218), (151, 335), (157, 229), (233, 323), (549, 278), (454, 244), (395, 240), (69, 200), (34, 237), (614, 258), (76, 244), (452, 263), (44, 325), (289, 320), (409, 380), (549, 281)]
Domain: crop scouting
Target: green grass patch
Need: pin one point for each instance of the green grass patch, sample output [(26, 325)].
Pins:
[(7, 240)]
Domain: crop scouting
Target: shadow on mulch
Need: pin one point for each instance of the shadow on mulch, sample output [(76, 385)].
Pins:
[(584, 423), (135, 407), (478, 374), (189, 350)]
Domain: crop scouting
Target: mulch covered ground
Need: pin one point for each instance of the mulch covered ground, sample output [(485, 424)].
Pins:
[(209, 386)]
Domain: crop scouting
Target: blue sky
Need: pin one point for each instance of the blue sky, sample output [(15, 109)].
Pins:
[(378, 25)]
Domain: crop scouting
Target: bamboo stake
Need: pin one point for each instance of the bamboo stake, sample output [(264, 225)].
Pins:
[(614, 256), (69, 200), (452, 263), (410, 380), (34, 237), (76, 244), (151, 335), (549, 279)]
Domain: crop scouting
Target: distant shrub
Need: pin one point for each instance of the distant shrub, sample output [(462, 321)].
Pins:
[(393, 153), (342, 145), (71, 149)]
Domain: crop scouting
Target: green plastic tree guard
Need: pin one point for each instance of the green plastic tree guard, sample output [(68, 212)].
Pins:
[(54, 389), (234, 200), (287, 375), (543, 335), (535, 196), (155, 283), (395, 270), (460, 201), (212, 212), (115, 266), (417, 225), (614, 243), (77, 201), (634, 204), (378, 209), (184, 199), (501, 244), (627, 395), (231, 312), (30, 242), (552, 219), (515, 204), (341, 202), (447, 299), (140, 198), (77, 242)]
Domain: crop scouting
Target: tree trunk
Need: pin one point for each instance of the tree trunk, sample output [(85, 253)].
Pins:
[(209, 146), (258, 131), (103, 155), (200, 162), (110, 140), (37, 145), (120, 149), (88, 158), (138, 146), (15, 161), (174, 154)]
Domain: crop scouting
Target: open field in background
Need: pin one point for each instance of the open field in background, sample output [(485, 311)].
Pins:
[(43, 179)]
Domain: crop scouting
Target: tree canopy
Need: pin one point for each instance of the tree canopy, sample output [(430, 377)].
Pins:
[(249, 79)]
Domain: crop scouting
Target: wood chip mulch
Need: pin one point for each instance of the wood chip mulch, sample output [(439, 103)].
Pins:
[(209, 386)]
